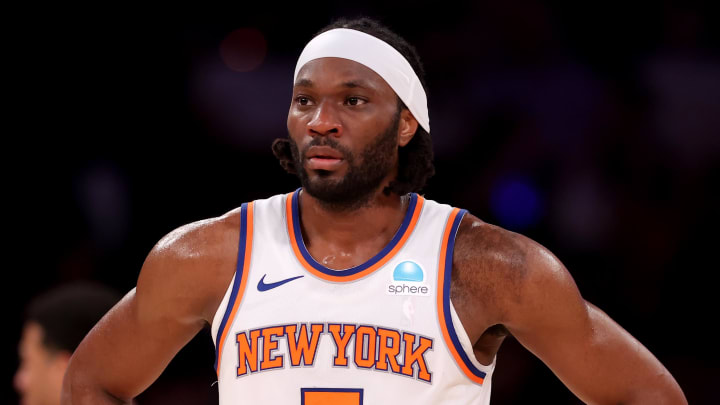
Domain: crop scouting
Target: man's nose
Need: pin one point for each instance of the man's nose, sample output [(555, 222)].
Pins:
[(325, 121)]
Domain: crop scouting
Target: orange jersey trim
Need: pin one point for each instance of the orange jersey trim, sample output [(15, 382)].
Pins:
[(239, 287), (320, 271), (443, 299)]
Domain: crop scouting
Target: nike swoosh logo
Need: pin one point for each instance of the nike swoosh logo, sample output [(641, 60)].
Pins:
[(264, 287)]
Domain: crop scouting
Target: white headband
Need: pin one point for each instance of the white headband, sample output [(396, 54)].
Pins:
[(377, 55)]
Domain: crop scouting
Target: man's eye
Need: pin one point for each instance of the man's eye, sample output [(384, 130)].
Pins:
[(303, 100), (355, 101)]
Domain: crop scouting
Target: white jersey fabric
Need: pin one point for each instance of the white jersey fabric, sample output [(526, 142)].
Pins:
[(291, 331)]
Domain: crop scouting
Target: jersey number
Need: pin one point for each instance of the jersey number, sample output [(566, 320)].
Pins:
[(331, 396)]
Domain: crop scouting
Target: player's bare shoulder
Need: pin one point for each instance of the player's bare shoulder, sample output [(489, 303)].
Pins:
[(192, 266), (488, 260), (496, 266), (197, 242)]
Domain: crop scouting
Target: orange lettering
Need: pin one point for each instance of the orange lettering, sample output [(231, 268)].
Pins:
[(331, 396), (247, 353), (360, 334), (341, 342), (386, 352), (301, 347), (268, 346), (416, 356)]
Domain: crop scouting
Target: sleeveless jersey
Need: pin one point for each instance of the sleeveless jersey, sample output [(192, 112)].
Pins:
[(291, 331)]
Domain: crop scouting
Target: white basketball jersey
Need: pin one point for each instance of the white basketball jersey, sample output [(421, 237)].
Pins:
[(292, 331)]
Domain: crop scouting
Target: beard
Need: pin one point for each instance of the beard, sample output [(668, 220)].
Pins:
[(365, 172)]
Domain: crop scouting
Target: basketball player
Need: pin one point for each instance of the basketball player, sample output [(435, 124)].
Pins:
[(354, 289), (55, 323)]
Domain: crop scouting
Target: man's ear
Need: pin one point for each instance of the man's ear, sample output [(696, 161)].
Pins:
[(407, 127)]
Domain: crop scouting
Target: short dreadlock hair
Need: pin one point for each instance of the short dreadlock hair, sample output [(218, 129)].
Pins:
[(67, 313), (415, 165)]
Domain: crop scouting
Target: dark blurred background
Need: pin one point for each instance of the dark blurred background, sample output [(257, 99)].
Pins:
[(592, 129)]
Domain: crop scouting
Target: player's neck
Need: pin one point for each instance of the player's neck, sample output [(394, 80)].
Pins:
[(374, 223)]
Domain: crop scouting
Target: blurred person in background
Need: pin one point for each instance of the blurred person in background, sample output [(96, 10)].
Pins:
[(55, 323)]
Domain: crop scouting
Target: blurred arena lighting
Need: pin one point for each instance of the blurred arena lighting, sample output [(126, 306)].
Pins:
[(244, 49), (102, 193), (250, 109), (583, 210), (515, 202)]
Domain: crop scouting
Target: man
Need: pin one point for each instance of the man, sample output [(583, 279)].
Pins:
[(354, 289), (55, 324)]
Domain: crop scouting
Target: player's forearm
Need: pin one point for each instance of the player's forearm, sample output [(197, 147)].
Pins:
[(664, 391)]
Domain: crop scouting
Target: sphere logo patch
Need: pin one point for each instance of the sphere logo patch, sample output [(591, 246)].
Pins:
[(408, 278)]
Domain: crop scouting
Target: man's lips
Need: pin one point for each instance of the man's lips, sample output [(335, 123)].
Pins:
[(323, 158), (323, 163), (323, 152)]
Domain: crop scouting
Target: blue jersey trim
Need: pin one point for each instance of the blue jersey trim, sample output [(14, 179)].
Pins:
[(446, 297), (353, 270), (236, 283)]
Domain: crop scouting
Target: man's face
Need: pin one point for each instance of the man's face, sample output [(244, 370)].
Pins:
[(38, 380), (345, 128)]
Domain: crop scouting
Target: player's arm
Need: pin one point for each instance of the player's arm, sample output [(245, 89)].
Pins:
[(595, 358), (180, 285)]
